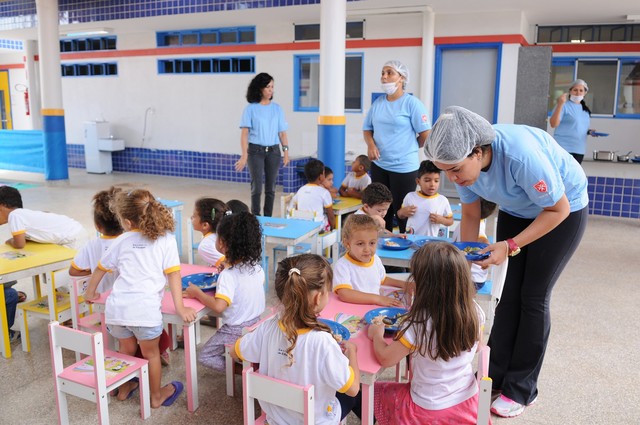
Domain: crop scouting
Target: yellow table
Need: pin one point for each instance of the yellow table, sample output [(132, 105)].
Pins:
[(34, 260), (343, 205)]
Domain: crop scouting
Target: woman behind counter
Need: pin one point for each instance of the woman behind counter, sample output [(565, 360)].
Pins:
[(263, 131), (542, 194), (390, 130), (571, 120)]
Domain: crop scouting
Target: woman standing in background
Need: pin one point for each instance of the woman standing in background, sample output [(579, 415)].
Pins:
[(571, 120), (390, 130), (263, 131)]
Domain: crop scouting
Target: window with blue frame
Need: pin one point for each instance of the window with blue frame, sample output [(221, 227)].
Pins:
[(223, 65), (614, 84), (208, 36), (307, 83), (89, 69)]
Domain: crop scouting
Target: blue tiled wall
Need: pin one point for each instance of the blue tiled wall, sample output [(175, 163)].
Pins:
[(614, 197), (15, 14)]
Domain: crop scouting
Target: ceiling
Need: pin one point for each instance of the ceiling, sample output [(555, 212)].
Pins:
[(541, 12)]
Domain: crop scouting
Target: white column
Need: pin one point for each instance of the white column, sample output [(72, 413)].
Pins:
[(428, 59), (333, 21), (49, 53), (33, 83)]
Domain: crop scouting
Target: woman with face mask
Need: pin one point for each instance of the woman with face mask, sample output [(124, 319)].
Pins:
[(571, 118), (395, 128)]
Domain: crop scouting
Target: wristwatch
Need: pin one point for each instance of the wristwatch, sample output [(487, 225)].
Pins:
[(285, 148), (514, 249)]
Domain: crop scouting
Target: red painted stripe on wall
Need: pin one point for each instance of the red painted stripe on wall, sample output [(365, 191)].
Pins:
[(11, 66)]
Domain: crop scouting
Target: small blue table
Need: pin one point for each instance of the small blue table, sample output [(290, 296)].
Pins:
[(286, 231), (401, 258)]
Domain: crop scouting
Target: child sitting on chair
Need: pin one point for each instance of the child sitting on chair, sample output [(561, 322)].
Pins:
[(478, 274), (376, 200), (146, 258), (37, 226), (328, 182), (207, 213), (358, 274), (441, 333), (295, 346), (313, 197), (239, 297), (357, 179), (425, 208)]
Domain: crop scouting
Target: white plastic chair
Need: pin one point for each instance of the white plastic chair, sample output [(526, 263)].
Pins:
[(88, 378), (274, 391), (492, 289)]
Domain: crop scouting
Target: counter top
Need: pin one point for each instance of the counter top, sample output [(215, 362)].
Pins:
[(628, 170)]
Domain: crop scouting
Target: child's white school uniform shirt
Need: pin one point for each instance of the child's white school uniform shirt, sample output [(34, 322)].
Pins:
[(142, 265), (312, 197), (437, 385), (89, 256), (426, 205), (242, 288), (355, 182), (317, 360), (46, 227), (349, 273), (208, 251)]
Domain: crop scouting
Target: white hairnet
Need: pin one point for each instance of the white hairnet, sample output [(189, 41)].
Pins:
[(400, 68), (454, 135), (579, 82)]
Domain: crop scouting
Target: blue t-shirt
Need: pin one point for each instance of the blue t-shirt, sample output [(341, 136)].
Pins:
[(571, 133), (264, 123), (395, 125), (529, 171)]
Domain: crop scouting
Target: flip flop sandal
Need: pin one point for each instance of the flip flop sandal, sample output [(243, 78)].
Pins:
[(179, 387), (133, 390), (22, 297)]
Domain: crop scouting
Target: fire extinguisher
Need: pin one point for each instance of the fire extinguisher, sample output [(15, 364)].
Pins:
[(26, 101)]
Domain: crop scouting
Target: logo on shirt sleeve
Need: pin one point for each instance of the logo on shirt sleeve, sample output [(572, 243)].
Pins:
[(541, 186), (424, 117)]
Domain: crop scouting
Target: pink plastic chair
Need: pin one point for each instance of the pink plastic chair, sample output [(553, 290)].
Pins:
[(91, 378), (484, 386)]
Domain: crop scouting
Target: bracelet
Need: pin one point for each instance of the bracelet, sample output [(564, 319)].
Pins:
[(285, 148), (508, 247)]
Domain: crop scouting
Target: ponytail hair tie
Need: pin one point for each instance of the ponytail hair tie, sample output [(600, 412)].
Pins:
[(293, 270), (213, 214), (228, 212)]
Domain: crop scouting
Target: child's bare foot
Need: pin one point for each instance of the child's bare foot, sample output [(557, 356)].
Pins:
[(169, 394), (126, 390)]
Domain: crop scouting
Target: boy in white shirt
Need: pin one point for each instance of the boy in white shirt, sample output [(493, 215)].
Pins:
[(313, 196), (38, 226), (355, 182), (426, 209)]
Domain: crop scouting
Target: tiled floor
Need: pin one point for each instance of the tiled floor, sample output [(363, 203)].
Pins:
[(589, 376)]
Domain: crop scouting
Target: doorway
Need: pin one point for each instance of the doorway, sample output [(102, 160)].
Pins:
[(5, 101)]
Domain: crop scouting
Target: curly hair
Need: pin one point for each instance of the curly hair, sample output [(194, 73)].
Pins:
[(254, 91), (444, 297), (355, 223), (104, 219), (241, 235), (375, 194), (211, 211), (10, 197), (144, 212), (296, 278)]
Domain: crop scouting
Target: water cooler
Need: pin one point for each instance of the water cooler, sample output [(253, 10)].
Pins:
[(98, 145)]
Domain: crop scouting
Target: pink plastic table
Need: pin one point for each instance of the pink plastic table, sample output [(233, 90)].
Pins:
[(370, 368), (170, 317)]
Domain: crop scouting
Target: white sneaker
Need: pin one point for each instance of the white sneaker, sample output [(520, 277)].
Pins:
[(507, 408)]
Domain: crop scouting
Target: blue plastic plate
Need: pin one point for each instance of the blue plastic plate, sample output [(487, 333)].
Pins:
[(337, 328), (390, 312), (394, 244), (636, 159), (421, 242), (598, 134), (204, 281), (467, 246)]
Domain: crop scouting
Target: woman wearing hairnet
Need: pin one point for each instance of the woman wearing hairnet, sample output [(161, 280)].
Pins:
[(390, 131), (542, 194), (571, 120)]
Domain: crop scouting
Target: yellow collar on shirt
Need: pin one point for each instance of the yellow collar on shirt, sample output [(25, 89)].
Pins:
[(359, 263), (300, 331), (422, 195)]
